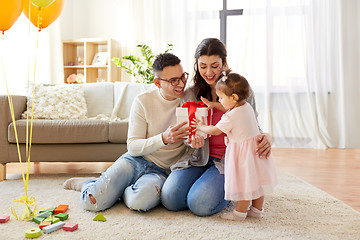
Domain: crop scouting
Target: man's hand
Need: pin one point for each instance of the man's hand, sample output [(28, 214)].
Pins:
[(175, 133), (264, 145), (195, 141)]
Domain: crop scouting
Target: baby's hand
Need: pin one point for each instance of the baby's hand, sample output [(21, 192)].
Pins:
[(209, 104), (198, 124)]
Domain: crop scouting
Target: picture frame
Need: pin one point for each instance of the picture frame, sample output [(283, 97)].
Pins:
[(100, 58)]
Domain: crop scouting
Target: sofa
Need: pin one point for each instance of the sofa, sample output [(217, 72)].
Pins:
[(100, 136)]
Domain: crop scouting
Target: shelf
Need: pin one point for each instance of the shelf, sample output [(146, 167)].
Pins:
[(85, 49)]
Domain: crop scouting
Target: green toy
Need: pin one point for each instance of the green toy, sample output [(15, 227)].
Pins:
[(33, 233), (99, 217)]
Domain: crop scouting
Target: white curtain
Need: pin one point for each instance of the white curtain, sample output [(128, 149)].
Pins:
[(291, 53), (181, 23)]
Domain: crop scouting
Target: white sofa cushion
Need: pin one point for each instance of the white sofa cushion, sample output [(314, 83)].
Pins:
[(124, 95), (99, 98), (63, 101)]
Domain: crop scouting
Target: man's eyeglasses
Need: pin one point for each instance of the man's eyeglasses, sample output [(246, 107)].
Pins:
[(176, 81)]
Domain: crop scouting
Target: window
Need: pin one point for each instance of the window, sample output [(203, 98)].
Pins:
[(266, 42)]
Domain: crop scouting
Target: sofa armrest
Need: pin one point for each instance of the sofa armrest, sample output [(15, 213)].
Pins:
[(19, 103)]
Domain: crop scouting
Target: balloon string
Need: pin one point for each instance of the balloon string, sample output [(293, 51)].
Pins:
[(32, 109), (31, 206), (28, 202)]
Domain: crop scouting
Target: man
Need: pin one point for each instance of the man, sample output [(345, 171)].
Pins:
[(138, 176)]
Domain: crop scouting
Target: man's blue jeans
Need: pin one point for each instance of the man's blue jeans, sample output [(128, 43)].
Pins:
[(135, 180), (201, 189)]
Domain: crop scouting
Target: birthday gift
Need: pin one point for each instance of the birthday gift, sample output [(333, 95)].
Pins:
[(190, 110)]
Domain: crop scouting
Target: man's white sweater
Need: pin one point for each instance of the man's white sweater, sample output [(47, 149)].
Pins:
[(150, 116)]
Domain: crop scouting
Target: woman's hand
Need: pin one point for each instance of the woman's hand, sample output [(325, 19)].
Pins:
[(195, 141), (264, 145)]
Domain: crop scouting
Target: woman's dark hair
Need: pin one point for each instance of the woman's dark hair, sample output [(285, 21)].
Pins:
[(234, 83), (207, 47)]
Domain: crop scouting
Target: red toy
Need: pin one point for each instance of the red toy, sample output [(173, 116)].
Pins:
[(44, 224), (4, 219), (70, 227)]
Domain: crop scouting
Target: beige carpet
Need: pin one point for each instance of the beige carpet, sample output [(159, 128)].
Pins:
[(297, 210)]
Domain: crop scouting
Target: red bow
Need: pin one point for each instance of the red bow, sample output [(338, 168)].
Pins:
[(192, 106)]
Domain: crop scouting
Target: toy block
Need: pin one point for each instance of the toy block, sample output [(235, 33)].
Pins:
[(38, 220), (43, 214), (51, 210), (44, 224), (99, 217), (53, 227), (62, 216), (61, 209), (55, 220), (25, 214), (48, 219), (4, 219), (33, 233), (70, 227)]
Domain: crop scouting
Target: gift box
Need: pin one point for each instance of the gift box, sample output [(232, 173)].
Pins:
[(190, 110)]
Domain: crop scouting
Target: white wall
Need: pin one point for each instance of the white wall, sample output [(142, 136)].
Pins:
[(351, 64)]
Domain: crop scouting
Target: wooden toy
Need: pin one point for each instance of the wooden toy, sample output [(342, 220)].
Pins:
[(38, 220), (43, 214), (70, 227), (62, 216), (55, 220), (53, 227), (25, 214), (99, 217), (48, 219), (51, 210), (44, 224), (4, 219), (61, 209), (33, 233)]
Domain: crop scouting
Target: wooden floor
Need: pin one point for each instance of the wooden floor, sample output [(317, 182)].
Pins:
[(336, 171)]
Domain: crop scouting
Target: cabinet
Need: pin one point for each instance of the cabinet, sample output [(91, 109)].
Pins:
[(78, 57)]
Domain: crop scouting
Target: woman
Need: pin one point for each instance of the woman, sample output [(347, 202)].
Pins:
[(198, 183)]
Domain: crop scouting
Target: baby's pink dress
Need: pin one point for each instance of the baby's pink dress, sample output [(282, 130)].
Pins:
[(247, 176)]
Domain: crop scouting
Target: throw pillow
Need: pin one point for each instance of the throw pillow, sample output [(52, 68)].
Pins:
[(63, 101)]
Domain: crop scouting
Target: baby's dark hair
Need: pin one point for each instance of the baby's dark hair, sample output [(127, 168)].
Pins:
[(163, 60), (234, 83)]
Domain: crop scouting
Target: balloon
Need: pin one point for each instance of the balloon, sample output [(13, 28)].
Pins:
[(42, 3), (9, 13), (47, 14)]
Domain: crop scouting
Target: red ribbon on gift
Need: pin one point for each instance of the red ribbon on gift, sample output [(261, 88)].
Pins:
[(192, 106)]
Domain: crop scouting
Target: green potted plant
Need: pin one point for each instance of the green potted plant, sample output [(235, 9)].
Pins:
[(140, 65)]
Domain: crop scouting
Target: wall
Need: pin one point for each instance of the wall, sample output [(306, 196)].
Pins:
[(351, 60)]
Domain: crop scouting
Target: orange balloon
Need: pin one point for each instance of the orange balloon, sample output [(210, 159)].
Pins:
[(9, 13), (47, 14)]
